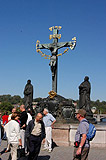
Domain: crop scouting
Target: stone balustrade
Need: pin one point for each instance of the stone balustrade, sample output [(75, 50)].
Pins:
[(64, 135)]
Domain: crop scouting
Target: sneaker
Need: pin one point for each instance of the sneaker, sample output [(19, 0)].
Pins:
[(7, 150), (49, 150), (44, 149)]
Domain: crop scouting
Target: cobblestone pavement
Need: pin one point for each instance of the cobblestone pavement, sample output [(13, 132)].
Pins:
[(61, 153)]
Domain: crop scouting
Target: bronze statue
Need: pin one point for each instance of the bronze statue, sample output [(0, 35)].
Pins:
[(53, 64), (54, 47), (84, 94), (28, 95)]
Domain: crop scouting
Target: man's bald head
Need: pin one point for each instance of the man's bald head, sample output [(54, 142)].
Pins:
[(38, 117)]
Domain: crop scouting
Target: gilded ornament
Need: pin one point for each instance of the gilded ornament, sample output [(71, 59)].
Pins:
[(50, 28), (52, 94)]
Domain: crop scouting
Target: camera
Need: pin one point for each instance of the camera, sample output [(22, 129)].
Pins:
[(76, 144)]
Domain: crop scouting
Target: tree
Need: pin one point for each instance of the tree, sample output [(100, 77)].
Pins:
[(6, 106), (12, 99), (16, 99), (37, 99), (5, 98)]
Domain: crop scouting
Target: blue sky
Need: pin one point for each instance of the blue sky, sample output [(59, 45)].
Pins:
[(23, 22)]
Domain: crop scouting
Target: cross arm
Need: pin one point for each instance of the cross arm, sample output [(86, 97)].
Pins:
[(44, 46), (64, 44)]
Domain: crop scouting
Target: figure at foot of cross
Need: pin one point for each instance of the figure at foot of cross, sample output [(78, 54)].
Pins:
[(28, 96), (84, 95)]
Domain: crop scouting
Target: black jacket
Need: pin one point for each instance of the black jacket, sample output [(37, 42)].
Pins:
[(30, 127), (23, 119)]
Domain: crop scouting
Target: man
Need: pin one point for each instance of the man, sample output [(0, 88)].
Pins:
[(13, 111), (12, 129), (84, 94), (49, 121), (35, 133), (9, 119), (23, 120), (81, 143)]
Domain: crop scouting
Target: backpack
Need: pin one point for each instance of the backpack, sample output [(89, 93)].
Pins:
[(91, 132)]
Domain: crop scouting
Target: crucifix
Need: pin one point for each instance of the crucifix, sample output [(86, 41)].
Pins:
[(53, 47)]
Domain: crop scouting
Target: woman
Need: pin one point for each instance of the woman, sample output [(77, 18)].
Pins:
[(12, 129)]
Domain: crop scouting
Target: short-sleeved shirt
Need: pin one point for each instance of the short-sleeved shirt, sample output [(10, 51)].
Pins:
[(83, 128), (48, 119)]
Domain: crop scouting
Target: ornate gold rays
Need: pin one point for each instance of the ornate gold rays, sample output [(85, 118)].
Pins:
[(72, 46), (55, 27)]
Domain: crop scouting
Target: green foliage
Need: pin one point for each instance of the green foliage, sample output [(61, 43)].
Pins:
[(37, 99), (12, 99), (6, 106), (99, 105), (7, 102), (16, 99), (5, 98)]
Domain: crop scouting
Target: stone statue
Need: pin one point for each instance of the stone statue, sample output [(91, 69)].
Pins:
[(84, 94), (53, 64), (28, 95), (54, 47)]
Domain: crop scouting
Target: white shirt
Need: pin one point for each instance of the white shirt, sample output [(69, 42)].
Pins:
[(29, 118), (12, 129), (48, 120), (9, 117)]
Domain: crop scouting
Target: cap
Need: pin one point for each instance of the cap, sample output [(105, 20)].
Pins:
[(82, 112)]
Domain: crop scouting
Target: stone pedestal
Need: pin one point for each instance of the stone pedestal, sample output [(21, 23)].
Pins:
[(61, 108)]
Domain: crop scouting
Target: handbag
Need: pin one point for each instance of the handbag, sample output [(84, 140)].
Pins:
[(20, 152)]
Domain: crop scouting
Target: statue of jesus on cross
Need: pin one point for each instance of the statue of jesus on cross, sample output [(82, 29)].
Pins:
[(53, 47)]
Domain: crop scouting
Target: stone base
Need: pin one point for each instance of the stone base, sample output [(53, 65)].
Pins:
[(60, 135), (64, 135)]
